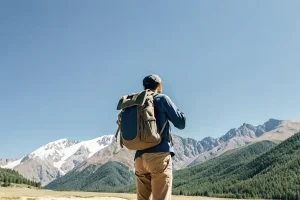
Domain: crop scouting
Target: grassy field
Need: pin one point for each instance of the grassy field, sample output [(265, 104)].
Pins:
[(36, 194)]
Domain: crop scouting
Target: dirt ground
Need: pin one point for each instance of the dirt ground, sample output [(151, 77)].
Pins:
[(36, 194)]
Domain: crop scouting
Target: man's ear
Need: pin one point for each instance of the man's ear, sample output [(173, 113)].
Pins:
[(159, 88)]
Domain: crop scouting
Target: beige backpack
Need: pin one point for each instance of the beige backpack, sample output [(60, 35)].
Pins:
[(136, 121)]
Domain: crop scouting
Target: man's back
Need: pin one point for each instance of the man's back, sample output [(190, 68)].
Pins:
[(165, 109)]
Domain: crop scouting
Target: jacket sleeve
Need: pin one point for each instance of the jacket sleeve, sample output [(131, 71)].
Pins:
[(174, 115)]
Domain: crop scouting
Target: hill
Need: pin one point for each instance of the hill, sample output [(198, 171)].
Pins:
[(207, 178), (241, 174), (8, 177), (109, 177)]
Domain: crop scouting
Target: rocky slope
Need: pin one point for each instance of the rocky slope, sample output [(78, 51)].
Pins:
[(186, 150), (274, 130)]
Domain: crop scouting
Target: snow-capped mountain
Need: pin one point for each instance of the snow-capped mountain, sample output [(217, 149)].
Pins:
[(190, 152), (57, 158)]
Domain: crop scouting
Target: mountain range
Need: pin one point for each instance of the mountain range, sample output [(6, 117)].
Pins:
[(56, 159), (260, 170)]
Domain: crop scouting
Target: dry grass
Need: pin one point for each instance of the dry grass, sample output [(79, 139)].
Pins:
[(36, 194), (10, 198)]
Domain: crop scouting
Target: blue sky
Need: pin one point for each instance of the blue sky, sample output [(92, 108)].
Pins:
[(65, 64)]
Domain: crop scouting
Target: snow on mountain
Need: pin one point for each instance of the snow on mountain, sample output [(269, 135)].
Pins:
[(12, 164), (63, 155), (92, 146), (59, 151), (4, 161)]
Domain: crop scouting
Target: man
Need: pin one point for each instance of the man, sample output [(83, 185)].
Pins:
[(153, 166)]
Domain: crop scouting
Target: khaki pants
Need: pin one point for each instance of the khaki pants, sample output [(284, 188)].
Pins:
[(154, 175)]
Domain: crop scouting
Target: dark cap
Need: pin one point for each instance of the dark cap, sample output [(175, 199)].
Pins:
[(151, 80)]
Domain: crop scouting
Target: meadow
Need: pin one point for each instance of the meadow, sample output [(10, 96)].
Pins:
[(40, 194)]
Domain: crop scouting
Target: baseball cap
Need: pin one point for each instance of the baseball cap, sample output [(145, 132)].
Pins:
[(151, 80)]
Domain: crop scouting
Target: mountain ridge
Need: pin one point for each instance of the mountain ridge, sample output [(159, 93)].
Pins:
[(57, 158)]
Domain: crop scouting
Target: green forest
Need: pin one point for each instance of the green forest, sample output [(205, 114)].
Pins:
[(109, 177), (9, 177)]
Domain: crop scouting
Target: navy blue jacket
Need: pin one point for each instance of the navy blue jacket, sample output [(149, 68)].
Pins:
[(164, 108)]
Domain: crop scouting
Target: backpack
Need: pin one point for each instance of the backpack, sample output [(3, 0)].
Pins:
[(137, 122)]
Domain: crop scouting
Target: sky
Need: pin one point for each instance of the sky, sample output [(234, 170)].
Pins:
[(65, 64)]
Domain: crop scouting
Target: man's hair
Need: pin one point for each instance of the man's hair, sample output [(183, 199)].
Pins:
[(151, 86), (151, 82)]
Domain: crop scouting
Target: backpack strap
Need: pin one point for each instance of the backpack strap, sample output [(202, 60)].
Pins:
[(163, 128), (119, 130), (170, 139)]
